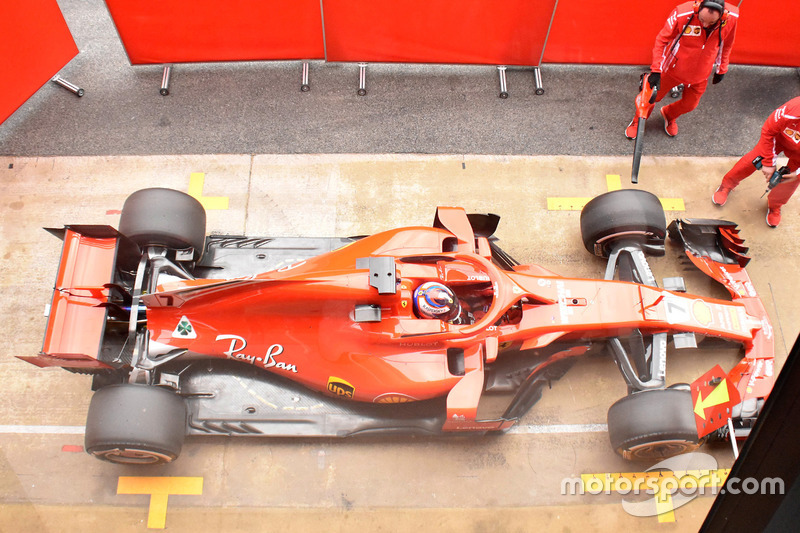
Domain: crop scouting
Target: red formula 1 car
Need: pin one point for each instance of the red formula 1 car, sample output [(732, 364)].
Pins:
[(408, 330)]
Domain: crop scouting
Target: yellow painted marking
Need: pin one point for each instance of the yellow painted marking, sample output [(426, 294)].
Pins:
[(656, 481), (566, 204), (666, 513), (613, 183), (716, 397), (196, 184), (159, 489), (672, 204)]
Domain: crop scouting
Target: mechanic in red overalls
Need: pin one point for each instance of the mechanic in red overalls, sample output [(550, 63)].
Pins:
[(696, 40), (780, 133)]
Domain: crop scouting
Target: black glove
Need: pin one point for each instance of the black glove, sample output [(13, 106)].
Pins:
[(717, 78), (654, 79)]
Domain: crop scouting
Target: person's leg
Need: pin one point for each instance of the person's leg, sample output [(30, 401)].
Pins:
[(689, 101), (742, 169), (667, 83)]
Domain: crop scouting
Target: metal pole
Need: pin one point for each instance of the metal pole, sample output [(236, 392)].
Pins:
[(305, 87), (537, 75), (67, 85), (503, 89), (164, 91), (537, 80), (362, 79)]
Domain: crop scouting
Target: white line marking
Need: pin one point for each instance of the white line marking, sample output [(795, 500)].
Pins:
[(562, 428), (42, 430)]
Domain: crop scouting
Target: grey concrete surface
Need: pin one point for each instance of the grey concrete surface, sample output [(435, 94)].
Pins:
[(509, 482), (257, 107)]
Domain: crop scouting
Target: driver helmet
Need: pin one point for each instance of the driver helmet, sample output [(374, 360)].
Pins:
[(435, 300)]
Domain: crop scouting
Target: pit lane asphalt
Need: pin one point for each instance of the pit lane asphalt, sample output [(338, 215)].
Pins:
[(369, 484), (258, 108)]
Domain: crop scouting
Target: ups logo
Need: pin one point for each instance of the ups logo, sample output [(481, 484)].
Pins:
[(793, 135), (340, 387)]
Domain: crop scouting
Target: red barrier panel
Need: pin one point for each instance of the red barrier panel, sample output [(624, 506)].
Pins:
[(767, 33), (184, 31), (623, 32), (620, 32), (510, 32), (35, 44)]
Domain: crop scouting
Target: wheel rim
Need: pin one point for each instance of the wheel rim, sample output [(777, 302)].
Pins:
[(133, 456), (659, 450)]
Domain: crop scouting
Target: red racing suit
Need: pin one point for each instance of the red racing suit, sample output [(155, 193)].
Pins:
[(780, 133), (685, 53)]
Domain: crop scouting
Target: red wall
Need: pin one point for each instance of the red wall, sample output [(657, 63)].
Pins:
[(768, 33), (507, 32), (184, 31), (606, 31), (35, 44)]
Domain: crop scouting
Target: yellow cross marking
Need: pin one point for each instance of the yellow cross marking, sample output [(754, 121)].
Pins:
[(159, 489), (196, 183), (613, 183), (662, 483)]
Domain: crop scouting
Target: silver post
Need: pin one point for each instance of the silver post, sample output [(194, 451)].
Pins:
[(537, 80), (67, 85), (164, 91), (362, 79), (305, 87), (503, 89)]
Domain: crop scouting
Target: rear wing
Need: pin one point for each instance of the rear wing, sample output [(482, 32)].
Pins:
[(77, 315), (716, 248)]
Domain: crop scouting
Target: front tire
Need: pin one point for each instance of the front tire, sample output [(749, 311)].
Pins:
[(652, 425), (135, 424), (630, 214)]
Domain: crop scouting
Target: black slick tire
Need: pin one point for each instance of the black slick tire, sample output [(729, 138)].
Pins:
[(630, 214), (653, 425), (164, 217), (135, 424)]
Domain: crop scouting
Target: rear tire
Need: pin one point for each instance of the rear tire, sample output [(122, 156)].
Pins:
[(652, 425), (629, 214), (164, 217), (135, 424)]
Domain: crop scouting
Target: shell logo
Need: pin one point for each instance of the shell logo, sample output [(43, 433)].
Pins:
[(394, 398), (702, 312)]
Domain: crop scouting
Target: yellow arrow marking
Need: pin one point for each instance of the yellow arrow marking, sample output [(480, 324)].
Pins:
[(196, 184), (159, 489), (613, 183), (716, 397)]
